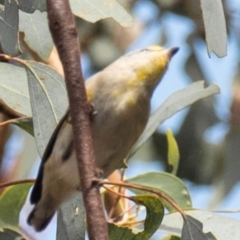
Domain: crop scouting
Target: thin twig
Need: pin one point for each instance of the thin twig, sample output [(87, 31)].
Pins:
[(110, 214), (142, 188), (11, 183)]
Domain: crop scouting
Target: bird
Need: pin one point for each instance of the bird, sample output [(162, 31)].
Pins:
[(121, 95)]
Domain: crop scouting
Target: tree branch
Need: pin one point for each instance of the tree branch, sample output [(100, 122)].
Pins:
[(63, 29)]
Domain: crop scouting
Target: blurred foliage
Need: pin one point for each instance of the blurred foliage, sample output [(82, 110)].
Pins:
[(105, 41), (107, 34), (200, 160), (191, 143)]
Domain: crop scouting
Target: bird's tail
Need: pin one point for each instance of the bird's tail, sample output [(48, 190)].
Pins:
[(39, 218)]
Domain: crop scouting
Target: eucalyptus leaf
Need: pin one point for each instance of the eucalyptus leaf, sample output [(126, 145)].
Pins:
[(193, 230), (155, 213), (221, 227), (36, 32), (95, 10), (71, 219), (167, 183), (24, 123), (176, 102), (215, 27), (9, 28), (48, 101), (14, 88), (173, 152), (11, 202)]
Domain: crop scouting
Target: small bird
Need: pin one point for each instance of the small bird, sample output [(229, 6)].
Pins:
[(121, 95)]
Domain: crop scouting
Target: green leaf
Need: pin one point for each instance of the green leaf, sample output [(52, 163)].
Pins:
[(95, 10), (116, 232), (193, 230), (36, 32), (220, 226), (167, 183), (215, 27), (71, 221), (171, 237), (173, 152), (8, 234), (30, 6), (9, 28), (48, 100), (14, 88), (155, 213), (176, 102), (24, 123), (11, 202)]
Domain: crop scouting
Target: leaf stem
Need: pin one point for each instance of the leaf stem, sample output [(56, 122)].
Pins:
[(142, 188), (11, 183)]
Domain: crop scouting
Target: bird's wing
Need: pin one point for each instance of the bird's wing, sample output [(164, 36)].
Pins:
[(37, 189)]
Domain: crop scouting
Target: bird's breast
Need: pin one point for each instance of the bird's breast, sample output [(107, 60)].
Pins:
[(116, 127)]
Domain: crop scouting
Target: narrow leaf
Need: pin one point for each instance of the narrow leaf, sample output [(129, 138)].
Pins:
[(30, 6), (215, 27), (173, 152), (9, 28), (176, 102)]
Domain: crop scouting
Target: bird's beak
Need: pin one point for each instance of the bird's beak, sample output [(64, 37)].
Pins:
[(172, 51)]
